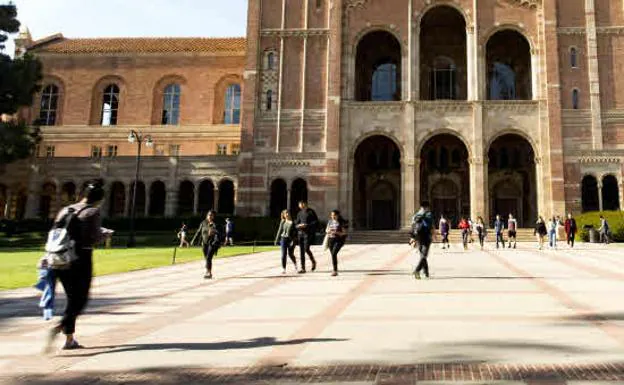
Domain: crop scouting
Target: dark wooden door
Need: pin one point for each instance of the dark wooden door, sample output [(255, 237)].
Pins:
[(383, 215)]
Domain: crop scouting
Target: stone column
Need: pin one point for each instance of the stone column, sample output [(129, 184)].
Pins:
[(216, 199), (195, 199), (416, 64), (106, 203), (416, 171), (600, 203), (58, 204), (539, 186), (471, 60), (478, 188), (32, 202), (148, 201), (593, 73), (8, 204), (128, 201), (171, 203)]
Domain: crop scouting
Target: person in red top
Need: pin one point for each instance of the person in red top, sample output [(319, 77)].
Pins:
[(464, 226), (570, 229)]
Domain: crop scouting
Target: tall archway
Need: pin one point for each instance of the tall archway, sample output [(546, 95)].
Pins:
[(158, 197), (378, 67), (206, 196), (610, 193), (589, 194), (377, 184), (512, 179), (443, 55), (186, 198), (139, 204), (117, 202), (226, 197), (68, 193), (47, 202), (508, 61), (445, 177), (20, 204), (298, 193), (279, 198)]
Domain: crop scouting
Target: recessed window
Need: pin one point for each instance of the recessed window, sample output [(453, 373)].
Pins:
[(50, 150), (575, 99), (269, 100), (49, 105), (443, 79), (111, 151), (221, 149), (573, 58), (235, 149), (96, 152), (171, 105), (174, 150), (384, 82), (271, 61), (110, 105), (231, 115)]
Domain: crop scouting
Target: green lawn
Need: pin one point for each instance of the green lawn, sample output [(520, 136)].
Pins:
[(18, 267)]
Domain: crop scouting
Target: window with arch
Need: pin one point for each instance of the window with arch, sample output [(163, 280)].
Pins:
[(269, 100), (443, 79), (110, 105), (385, 82), (575, 99), (573, 57), (49, 105), (270, 63), (231, 115), (171, 105)]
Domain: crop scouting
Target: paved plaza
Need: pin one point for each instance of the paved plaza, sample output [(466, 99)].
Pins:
[(502, 317)]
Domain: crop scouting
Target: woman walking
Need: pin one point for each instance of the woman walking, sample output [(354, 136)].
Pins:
[(444, 227), (210, 241), (182, 234), (286, 235), (464, 226), (337, 234), (480, 228), (552, 233), (540, 231)]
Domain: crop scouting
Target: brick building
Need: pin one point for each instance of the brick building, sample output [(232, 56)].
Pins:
[(478, 106)]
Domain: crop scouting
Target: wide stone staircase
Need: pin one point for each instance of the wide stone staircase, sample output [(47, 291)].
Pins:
[(402, 236)]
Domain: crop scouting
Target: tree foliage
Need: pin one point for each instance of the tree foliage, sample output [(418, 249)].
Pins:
[(20, 79)]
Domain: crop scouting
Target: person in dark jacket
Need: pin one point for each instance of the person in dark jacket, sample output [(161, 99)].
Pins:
[(286, 237), (422, 220), (336, 231), (444, 228), (306, 224), (570, 229), (499, 226), (210, 240), (540, 231), (76, 280)]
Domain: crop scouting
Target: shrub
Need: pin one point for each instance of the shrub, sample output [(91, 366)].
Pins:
[(614, 218)]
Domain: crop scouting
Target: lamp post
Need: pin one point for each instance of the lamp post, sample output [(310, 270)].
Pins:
[(138, 138)]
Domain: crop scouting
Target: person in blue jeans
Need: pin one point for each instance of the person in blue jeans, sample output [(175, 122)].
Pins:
[(499, 226), (229, 232), (286, 237), (552, 232)]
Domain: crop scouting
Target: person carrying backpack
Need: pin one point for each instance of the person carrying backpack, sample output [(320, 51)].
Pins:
[(82, 222), (421, 237), (210, 240)]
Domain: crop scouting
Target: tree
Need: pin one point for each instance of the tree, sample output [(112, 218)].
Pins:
[(20, 79)]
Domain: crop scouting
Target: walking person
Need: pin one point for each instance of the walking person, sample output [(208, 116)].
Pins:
[(229, 232), (210, 240), (512, 226), (540, 231), (85, 231), (480, 229), (464, 226), (337, 234), (570, 229), (182, 234), (552, 233), (604, 230), (306, 223), (286, 236), (499, 226), (444, 228), (471, 230), (421, 237)]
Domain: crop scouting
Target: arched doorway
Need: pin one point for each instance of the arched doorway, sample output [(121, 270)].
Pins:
[(589, 194), (47, 201), (206, 197), (117, 203), (298, 193), (226, 197), (377, 184), (186, 198), (68, 193), (158, 197), (443, 54), (610, 193), (20, 204), (512, 179), (445, 177), (279, 198), (378, 68), (508, 60)]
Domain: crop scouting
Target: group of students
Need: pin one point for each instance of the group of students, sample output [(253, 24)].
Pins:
[(469, 228)]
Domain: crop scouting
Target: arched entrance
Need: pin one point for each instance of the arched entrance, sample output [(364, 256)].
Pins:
[(508, 66), (377, 184), (610, 193), (158, 197), (117, 203), (226, 197), (47, 201), (279, 198), (589, 194), (378, 68), (206, 197), (186, 197), (445, 177), (512, 179)]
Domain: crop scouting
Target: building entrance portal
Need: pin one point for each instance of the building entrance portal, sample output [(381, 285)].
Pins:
[(376, 184)]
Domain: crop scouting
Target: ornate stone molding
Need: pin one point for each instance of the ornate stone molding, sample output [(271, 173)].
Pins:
[(295, 32), (278, 165), (289, 156), (375, 106), (352, 4), (610, 30), (571, 30), (526, 3), (588, 159)]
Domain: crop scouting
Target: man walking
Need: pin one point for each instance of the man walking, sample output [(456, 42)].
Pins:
[(306, 224), (604, 230), (421, 237), (498, 229), (210, 241), (570, 229), (512, 226)]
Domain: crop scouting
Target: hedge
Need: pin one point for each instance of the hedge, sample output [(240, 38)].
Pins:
[(614, 218)]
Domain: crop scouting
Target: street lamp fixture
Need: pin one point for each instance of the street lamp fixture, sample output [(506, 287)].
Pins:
[(139, 139)]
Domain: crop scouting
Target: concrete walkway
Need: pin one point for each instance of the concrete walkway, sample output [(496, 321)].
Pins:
[(509, 316)]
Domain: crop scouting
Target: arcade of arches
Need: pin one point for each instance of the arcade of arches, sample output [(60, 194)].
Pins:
[(603, 196)]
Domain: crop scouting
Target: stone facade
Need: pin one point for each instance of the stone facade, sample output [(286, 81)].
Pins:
[(479, 106)]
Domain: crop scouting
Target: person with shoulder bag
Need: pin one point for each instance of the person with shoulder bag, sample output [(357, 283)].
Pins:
[(285, 237), (75, 271), (336, 231), (421, 237), (210, 240)]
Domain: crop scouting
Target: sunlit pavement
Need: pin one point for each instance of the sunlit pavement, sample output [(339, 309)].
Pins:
[(505, 317)]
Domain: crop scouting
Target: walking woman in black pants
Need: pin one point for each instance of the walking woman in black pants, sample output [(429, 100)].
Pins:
[(210, 240), (85, 231), (336, 236), (286, 235)]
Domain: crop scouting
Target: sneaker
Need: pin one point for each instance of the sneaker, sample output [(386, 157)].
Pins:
[(48, 314), (73, 345), (208, 276), (283, 271), (417, 275), (302, 271), (313, 265), (335, 273)]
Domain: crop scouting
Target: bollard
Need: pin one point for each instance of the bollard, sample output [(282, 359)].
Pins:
[(175, 251)]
